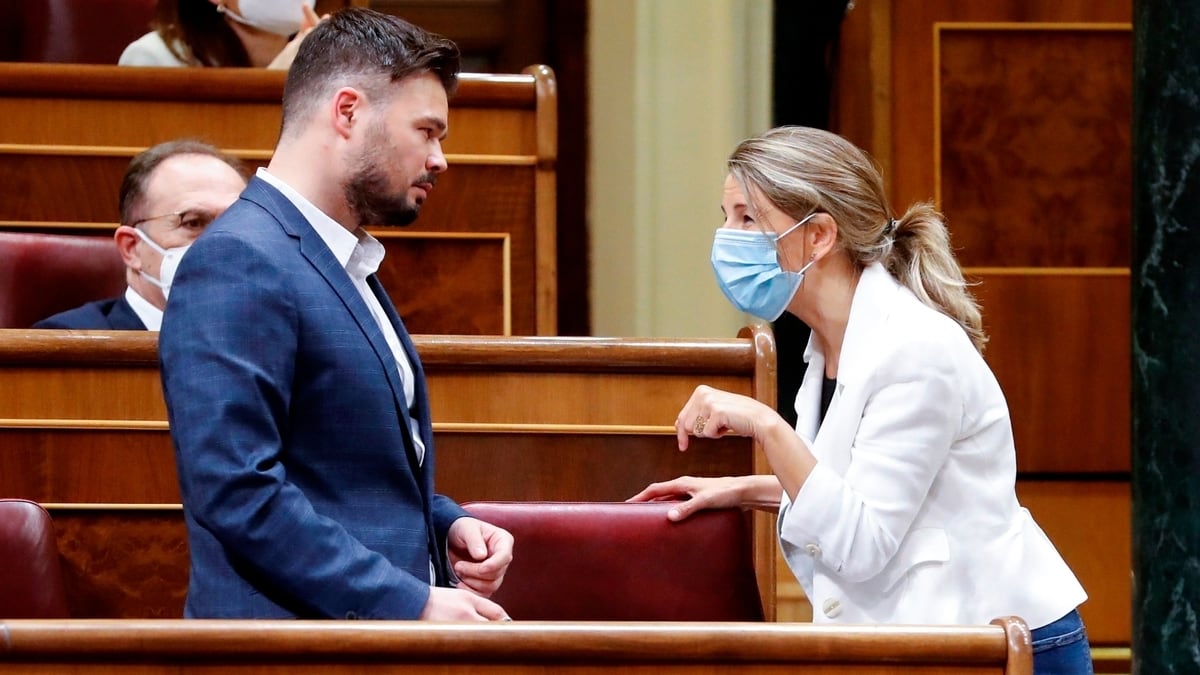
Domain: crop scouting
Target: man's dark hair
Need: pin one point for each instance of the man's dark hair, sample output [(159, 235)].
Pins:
[(133, 186), (363, 48)]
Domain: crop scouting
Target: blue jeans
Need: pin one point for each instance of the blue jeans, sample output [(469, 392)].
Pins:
[(1061, 648)]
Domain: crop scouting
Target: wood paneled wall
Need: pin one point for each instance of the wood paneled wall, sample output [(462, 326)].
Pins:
[(1014, 117), (480, 260)]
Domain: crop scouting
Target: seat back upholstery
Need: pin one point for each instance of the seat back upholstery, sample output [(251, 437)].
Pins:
[(43, 274), (589, 561), (81, 31), (31, 581)]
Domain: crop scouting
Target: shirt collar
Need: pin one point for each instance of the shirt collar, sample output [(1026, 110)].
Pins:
[(341, 242), (148, 313)]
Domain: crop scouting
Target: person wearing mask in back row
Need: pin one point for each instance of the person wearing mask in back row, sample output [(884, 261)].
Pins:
[(298, 406), (223, 33), (169, 194), (896, 489)]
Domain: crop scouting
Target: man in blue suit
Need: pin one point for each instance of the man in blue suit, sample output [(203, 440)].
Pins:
[(297, 403), (169, 194)]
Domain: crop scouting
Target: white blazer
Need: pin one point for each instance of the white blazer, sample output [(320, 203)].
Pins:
[(911, 514)]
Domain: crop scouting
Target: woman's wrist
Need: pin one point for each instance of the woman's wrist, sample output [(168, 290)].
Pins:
[(761, 492)]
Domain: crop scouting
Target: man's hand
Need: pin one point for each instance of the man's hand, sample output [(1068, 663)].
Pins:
[(480, 554), (453, 604)]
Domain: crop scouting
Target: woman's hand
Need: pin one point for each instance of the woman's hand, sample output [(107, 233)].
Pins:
[(713, 493), (284, 59), (712, 413)]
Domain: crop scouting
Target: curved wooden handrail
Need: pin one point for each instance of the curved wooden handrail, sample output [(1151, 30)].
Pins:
[(1020, 644), (224, 84), (599, 642)]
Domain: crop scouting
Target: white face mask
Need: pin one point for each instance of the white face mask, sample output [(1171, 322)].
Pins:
[(169, 265), (281, 17)]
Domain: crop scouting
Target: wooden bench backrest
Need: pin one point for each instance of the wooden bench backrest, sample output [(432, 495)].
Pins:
[(480, 260), (83, 431)]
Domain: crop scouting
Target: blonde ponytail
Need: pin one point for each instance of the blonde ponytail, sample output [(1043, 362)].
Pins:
[(922, 260)]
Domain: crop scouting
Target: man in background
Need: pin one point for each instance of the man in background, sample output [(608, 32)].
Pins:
[(297, 402), (170, 193)]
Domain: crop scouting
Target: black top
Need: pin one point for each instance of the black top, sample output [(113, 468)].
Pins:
[(827, 388)]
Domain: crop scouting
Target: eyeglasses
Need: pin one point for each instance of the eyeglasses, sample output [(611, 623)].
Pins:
[(192, 220)]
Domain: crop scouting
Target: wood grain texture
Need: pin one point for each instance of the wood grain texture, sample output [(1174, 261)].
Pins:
[(1089, 523), (1035, 145), (912, 104), (517, 647), (123, 564), (1060, 347)]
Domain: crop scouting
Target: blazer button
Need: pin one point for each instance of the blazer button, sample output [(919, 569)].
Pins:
[(351, 615), (832, 607), (813, 550)]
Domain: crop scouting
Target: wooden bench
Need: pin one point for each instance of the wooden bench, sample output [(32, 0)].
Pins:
[(265, 647), (479, 261), (83, 431)]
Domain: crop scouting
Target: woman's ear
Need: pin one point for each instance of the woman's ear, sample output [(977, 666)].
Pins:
[(822, 233)]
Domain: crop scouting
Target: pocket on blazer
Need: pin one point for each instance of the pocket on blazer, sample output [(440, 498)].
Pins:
[(922, 546)]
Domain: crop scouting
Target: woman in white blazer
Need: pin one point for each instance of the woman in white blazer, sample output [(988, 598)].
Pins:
[(896, 489)]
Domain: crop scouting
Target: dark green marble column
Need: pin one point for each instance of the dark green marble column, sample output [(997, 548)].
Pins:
[(1166, 337)]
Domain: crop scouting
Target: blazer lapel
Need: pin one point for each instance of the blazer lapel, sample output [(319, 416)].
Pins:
[(808, 399), (869, 312)]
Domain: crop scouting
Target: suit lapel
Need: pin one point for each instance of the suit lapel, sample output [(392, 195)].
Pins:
[(314, 249), (420, 396), (122, 317)]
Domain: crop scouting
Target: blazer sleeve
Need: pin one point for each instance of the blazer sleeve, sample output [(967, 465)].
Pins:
[(228, 348), (912, 414)]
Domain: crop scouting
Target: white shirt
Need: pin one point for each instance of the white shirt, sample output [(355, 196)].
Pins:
[(360, 254), (148, 313)]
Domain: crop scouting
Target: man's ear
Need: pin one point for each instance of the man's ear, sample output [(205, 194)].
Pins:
[(127, 240), (347, 107)]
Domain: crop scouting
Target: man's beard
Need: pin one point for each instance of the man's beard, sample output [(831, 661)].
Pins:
[(368, 190)]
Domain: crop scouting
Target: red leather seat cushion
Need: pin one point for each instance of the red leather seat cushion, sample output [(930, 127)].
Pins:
[(31, 584), (44, 274), (624, 562)]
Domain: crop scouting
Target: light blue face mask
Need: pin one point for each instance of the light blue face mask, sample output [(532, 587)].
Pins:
[(747, 267)]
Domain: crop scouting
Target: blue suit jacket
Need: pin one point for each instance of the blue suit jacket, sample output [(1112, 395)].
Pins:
[(301, 489), (111, 314)]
